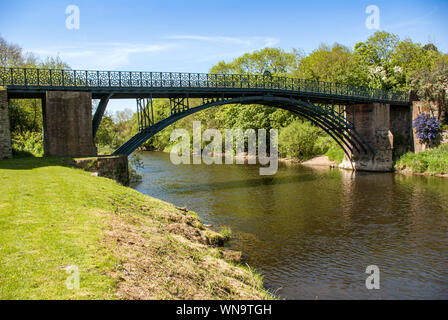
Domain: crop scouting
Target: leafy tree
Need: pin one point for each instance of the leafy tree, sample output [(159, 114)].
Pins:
[(330, 64), (274, 60), (432, 87), (389, 63), (378, 49), (298, 140)]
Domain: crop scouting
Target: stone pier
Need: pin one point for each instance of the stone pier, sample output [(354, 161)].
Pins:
[(372, 121), (67, 117), (5, 133), (401, 128)]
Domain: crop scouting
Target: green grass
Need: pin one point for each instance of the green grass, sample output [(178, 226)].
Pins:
[(53, 216), (434, 161), (48, 222), (335, 153), (226, 232)]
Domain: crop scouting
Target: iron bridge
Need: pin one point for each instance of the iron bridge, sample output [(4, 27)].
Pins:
[(323, 103)]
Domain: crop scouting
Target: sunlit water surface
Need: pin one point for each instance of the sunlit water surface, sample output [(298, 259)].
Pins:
[(312, 232)]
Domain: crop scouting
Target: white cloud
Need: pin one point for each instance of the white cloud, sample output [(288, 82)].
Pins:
[(186, 52), (248, 42), (100, 55)]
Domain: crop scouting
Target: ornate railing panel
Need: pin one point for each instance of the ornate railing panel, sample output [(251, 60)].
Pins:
[(27, 77)]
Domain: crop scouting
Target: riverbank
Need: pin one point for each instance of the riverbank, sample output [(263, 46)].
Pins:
[(433, 162), (319, 161), (126, 245)]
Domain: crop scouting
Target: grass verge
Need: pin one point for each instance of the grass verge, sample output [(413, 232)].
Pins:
[(125, 245), (434, 161)]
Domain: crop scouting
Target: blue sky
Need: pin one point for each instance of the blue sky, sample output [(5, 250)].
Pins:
[(193, 35)]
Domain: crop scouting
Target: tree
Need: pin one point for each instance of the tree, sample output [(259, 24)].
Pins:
[(299, 139), (330, 64), (432, 87), (390, 63), (275, 60), (11, 55), (378, 49)]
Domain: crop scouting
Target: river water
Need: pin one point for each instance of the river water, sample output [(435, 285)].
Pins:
[(313, 232)]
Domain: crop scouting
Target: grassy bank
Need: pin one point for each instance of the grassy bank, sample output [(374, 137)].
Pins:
[(125, 245), (434, 161)]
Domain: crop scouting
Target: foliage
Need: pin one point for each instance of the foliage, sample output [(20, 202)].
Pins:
[(327, 146), (114, 130), (226, 232), (25, 116), (389, 63), (434, 161), (298, 140), (432, 86), (274, 60), (427, 127), (330, 64), (335, 153), (27, 142), (11, 55)]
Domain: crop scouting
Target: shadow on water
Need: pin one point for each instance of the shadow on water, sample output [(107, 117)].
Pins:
[(248, 183)]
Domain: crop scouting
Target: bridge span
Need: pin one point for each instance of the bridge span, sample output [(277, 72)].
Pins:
[(363, 121)]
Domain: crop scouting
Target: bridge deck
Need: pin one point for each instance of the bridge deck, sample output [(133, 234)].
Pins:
[(33, 83)]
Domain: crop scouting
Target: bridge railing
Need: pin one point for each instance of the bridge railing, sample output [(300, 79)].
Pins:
[(32, 77)]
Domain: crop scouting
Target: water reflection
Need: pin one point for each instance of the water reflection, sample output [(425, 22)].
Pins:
[(312, 232)]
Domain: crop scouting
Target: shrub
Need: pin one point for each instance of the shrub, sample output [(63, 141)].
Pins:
[(29, 143), (298, 140), (426, 127)]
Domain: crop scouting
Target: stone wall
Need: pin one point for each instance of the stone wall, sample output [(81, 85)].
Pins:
[(112, 167), (5, 133), (372, 121), (67, 117)]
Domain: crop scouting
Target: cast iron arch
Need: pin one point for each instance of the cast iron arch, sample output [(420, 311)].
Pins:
[(335, 126)]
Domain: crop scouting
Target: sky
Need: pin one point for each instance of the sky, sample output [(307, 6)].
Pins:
[(193, 35)]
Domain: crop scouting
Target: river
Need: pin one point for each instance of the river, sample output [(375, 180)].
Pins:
[(313, 232)]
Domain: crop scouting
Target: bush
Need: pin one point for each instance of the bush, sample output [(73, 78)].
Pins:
[(29, 143), (298, 140), (426, 127)]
